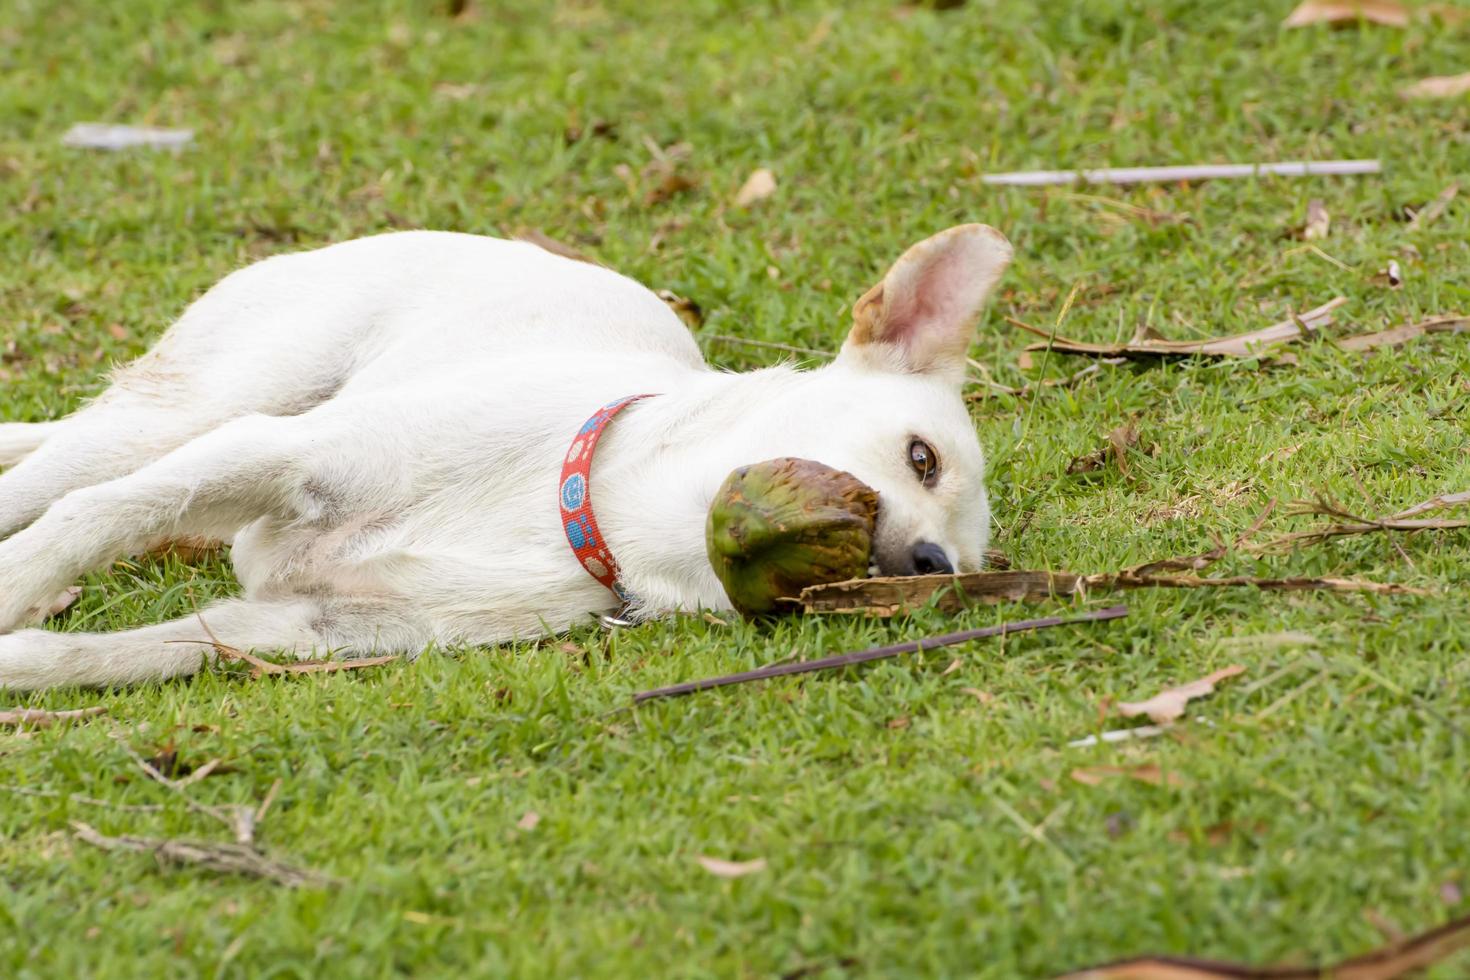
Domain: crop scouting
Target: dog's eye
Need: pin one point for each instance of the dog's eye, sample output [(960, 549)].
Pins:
[(924, 461)]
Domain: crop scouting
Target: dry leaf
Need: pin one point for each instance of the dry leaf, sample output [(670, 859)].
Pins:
[(902, 721), (1120, 440), (1391, 276), (686, 309), (760, 185), (731, 869), (1319, 222), (529, 820), (1148, 346), (1388, 13), (1398, 336), (1169, 705), (1438, 87), (37, 718), (984, 697)]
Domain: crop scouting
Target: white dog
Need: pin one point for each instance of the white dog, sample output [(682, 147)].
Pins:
[(380, 428)]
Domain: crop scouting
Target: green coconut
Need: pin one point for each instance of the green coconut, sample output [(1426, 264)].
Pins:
[(777, 527)]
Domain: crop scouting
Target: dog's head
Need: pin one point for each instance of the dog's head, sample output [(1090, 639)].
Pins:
[(889, 409)]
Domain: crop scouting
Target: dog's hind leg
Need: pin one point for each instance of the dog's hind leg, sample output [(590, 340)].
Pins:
[(295, 468), (35, 659), (19, 439)]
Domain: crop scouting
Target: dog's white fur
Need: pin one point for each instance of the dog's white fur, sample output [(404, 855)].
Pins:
[(378, 427)]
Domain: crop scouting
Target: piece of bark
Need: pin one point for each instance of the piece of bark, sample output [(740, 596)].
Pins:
[(37, 718), (1147, 346), (231, 858), (1397, 959), (1400, 335)]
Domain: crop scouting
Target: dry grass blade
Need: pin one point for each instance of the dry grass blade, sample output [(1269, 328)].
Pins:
[(1388, 13), (1168, 705), (1434, 208), (241, 859), (1148, 347), (535, 236), (37, 718), (1397, 959), (1400, 335)]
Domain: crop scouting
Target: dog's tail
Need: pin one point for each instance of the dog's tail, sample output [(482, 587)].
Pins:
[(19, 439)]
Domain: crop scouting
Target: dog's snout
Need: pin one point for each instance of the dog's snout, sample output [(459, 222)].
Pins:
[(930, 559)]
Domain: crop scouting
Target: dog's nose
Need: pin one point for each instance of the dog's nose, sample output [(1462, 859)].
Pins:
[(930, 559)]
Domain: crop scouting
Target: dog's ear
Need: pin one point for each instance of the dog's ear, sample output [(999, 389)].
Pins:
[(920, 318)]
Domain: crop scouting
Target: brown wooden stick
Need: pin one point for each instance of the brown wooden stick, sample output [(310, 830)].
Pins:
[(877, 653), (37, 718)]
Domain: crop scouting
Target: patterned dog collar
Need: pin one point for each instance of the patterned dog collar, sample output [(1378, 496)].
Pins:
[(575, 497)]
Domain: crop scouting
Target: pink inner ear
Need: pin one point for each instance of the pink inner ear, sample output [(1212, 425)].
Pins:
[(934, 291)]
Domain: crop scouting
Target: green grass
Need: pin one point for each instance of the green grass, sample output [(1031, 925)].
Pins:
[(1314, 812)]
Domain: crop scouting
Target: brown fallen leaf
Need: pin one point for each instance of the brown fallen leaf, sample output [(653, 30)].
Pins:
[(1388, 13), (760, 185), (1438, 87), (686, 309), (984, 697), (528, 820), (1120, 440), (1319, 222), (1151, 774), (731, 869), (1148, 346), (1397, 959), (37, 718), (1400, 335), (1168, 705), (902, 721)]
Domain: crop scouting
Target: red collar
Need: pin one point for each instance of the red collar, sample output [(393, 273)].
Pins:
[(575, 498)]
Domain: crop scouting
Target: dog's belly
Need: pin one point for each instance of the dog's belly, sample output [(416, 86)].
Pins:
[(273, 557)]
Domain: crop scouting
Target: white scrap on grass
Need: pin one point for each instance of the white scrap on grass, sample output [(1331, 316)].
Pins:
[(1119, 735), (104, 136), (1208, 171)]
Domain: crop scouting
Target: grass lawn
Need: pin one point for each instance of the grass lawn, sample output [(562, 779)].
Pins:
[(909, 825)]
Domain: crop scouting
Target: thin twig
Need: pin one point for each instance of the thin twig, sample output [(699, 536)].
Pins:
[(37, 718), (225, 815), (772, 345), (877, 653), (74, 798), (1139, 175), (238, 858)]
